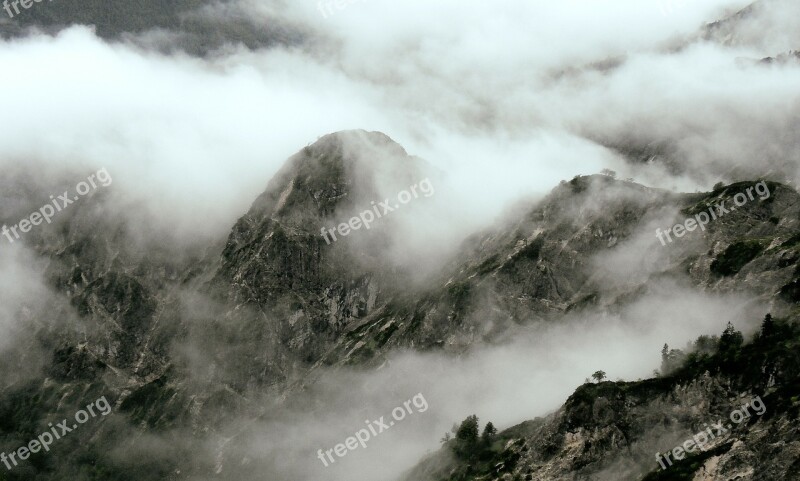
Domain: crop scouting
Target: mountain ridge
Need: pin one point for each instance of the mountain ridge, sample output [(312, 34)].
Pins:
[(176, 342)]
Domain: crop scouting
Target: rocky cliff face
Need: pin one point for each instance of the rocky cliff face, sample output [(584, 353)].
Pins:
[(179, 338)]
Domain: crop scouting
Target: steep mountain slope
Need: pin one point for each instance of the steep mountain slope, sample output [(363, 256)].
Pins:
[(546, 263), (612, 430)]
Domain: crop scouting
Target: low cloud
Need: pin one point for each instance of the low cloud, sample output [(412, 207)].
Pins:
[(27, 307), (505, 384)]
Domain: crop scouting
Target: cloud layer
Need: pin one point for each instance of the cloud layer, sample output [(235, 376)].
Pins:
[(505, 98)]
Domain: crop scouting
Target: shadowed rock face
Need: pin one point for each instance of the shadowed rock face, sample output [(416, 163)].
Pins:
[(178, 340)]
